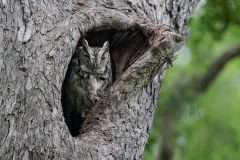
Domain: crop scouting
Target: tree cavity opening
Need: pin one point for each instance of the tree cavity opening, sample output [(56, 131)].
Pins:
[(125, 47)]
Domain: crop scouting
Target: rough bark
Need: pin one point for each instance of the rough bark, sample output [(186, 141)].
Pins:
[(37, 41)]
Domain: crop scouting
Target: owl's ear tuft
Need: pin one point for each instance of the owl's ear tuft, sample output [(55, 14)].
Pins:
[(106, 46), (85, 44)]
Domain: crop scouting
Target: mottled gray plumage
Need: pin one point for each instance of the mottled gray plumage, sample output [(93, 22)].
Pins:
[(89, 73)]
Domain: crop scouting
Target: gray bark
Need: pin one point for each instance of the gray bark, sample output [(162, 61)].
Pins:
[(37, 41)]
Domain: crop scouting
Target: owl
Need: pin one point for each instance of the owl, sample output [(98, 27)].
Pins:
[(89, 74)]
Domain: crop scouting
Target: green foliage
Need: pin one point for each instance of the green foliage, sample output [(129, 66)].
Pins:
[(209, 127), (212, 131)]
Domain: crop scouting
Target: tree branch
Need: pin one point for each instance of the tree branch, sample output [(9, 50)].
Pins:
[(205, 81), (179, 96)]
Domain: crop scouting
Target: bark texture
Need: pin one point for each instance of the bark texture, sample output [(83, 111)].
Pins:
[(37, 41)]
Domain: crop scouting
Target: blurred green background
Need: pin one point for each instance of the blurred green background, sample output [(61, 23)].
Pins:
[(201, 125)]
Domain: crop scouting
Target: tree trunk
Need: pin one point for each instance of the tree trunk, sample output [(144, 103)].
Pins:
[(37, 41)]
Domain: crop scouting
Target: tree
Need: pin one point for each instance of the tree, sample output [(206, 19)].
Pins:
[(37, 42)]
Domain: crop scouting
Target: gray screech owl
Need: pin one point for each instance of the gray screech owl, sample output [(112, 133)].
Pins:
[(89, 73)]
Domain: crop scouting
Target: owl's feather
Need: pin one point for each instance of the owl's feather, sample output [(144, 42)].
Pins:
[(89, 73)]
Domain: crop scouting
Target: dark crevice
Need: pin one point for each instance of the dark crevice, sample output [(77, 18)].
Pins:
[(125, 46)]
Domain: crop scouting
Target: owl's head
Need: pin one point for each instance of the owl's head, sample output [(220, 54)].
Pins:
[(94, 59)]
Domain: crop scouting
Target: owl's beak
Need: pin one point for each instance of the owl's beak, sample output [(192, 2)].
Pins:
[(95, 65), (96, 99)]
